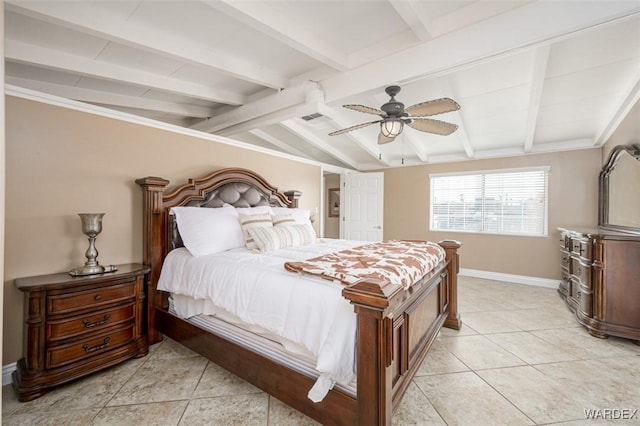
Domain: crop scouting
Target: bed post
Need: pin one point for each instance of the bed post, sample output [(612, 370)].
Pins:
[(293, 196), (375, 327), (451, 249), (154, 245)]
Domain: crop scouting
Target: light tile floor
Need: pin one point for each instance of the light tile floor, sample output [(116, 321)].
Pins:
[(520, 358)]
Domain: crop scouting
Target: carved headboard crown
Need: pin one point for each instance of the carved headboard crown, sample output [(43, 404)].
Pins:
[(619, 190)]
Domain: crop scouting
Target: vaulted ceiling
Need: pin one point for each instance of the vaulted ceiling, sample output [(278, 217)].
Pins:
[(530, 76)]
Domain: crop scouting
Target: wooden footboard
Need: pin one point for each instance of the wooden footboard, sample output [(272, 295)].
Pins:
[(395, 327)]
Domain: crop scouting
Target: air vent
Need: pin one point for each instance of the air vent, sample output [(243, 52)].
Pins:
[(311, 116)]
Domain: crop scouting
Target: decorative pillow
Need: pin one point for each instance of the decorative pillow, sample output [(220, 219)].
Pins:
[(302, 216), (208, 230), (275, 238), (283, 220), (253, 221)]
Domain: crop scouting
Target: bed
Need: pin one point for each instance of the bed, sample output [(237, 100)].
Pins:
[(394, 326)]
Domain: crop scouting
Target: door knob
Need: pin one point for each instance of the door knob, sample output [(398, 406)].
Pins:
[(377, 227)]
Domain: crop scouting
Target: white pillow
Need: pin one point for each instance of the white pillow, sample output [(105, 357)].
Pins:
[(275, 238), (283, 219), (208, 230), (248, 221), (302, 216)]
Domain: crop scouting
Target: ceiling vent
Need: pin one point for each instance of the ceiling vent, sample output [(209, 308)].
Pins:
[(311, 116)]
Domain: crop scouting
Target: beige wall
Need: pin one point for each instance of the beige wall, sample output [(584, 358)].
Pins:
[(573, 192), (331, 224), (60, 162)]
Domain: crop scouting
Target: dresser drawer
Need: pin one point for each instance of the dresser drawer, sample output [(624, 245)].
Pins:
[(582, 248), (581, 271), (92, 322), (94, 346), (565, 258), (90, 299), (584, 301)]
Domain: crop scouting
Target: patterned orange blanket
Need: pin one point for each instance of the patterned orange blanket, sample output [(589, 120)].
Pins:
[(397, 262)]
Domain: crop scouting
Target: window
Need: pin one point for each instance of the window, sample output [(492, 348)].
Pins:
[(510, 202)]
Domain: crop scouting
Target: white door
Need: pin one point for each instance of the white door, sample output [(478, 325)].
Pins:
[(363, 201)]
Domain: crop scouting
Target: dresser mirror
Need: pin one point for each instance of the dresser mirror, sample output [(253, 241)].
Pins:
[(619, 198)]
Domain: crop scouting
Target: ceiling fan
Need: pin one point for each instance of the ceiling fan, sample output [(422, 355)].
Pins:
[(394, 116)]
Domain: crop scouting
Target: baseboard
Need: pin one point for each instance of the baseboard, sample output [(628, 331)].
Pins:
[(7, 371), (511, 278)]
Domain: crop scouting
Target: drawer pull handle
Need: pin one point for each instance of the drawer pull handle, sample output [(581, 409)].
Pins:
[(89, 349), (97, 298), (88, 324)]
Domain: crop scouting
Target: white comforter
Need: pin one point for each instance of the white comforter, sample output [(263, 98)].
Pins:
[(256, 288)]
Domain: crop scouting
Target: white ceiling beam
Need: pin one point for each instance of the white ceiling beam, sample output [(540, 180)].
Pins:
[(629, 99), (261, 17), (537, 84), (305, 134), (296, 111), (411, 15), (88, 18), (464, 138), (369, 146), (307, 92), (477, 43), (55, 59), (277, 143), (113, 99)]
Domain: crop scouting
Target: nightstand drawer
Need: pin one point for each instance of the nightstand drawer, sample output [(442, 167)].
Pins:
[(90, 299), (92, 322), (60, 355)]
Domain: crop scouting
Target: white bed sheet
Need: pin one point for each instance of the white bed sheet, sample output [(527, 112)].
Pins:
[(258, 290)]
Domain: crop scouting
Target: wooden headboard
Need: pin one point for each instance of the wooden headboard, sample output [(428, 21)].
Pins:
[(235, 186)]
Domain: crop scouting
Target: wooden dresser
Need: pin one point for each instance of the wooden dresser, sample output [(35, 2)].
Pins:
[(601, 280), (75, 326)]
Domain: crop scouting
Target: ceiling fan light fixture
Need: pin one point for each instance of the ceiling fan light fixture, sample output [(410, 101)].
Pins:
[(391, 128)]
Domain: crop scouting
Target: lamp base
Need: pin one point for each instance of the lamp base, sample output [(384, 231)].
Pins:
[(92, 270)]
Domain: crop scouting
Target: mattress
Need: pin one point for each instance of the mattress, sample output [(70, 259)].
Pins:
[(305, 314), (258, 340)]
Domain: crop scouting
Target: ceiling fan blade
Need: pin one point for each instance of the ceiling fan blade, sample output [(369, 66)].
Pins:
[(433, 126), (348, 129), (382, 139), (365, 109), (436, 106)]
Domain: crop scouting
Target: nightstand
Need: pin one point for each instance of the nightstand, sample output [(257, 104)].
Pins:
[(76, 326)]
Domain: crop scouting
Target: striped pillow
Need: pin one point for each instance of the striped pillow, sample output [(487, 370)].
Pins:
[(248, 221), (275, 238), (283, 219)]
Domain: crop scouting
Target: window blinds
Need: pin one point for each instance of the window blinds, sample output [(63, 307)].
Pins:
[(511, 202)]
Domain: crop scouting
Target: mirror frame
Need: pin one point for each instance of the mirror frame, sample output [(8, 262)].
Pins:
[(603, 194)]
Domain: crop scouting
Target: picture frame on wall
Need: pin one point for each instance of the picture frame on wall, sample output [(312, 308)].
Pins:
[(333, 201)]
